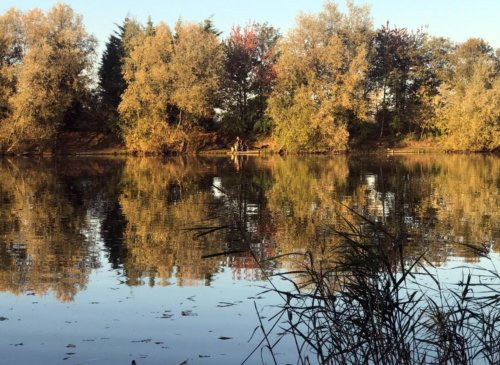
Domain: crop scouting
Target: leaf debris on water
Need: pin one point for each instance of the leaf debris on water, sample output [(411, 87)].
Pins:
[(225, 304), (146, 340)]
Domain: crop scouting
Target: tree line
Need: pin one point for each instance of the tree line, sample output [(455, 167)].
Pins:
[(331, 83)]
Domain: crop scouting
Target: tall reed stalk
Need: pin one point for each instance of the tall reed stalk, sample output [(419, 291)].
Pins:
[(366, 300), (373, 304)]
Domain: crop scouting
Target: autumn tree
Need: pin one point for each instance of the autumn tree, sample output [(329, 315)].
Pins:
[(143, 109), (469, 102), (172, 83), (249, 58), (437, 68), (195, 71), (321, 79), (11, 54), (52, 78)]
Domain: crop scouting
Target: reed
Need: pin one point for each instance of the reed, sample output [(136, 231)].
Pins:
[(369, 300), (376, 305)]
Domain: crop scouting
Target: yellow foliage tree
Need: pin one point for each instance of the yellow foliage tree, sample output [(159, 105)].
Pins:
[(11, 51), (321, 77), (52, 72), (469, 103), (172, 82), (195, 72), (144, 105)]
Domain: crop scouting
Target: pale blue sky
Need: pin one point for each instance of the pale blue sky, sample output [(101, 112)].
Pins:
[(456, 19)]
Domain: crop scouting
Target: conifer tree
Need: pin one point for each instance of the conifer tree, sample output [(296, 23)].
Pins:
[(111, 81)]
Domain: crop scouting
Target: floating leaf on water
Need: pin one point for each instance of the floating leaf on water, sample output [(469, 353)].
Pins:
[(146, 340), (225, 304), (225, 338)]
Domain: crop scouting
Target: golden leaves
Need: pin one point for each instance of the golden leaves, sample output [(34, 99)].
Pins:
[(321, 78), (54, 54)]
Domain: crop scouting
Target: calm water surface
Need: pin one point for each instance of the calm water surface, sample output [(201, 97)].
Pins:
[(103, 261)]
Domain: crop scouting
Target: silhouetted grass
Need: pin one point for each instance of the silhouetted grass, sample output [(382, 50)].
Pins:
[(366, 300), (372, 304)]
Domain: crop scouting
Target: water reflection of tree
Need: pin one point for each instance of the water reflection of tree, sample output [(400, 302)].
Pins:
[(160, 200), (251, 227), (44, 226), (466, 199), (169, 205), (351, 308), (443, 203), (55, 212), (303, 199)]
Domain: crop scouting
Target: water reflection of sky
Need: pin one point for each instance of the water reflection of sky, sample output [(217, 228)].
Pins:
[(112, 323)]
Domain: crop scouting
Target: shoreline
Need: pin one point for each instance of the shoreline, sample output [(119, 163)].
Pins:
[(98, 144), (252, 153)]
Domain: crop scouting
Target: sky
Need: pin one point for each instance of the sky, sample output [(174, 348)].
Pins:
[(455, 19)]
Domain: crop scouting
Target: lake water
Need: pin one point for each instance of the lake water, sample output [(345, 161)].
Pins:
[(109, 260)]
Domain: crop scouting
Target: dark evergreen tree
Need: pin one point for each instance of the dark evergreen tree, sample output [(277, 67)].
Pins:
[(111, 80), (209, 27)]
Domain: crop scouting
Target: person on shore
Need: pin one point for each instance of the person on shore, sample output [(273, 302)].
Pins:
[(243, 146), (237, 144)]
